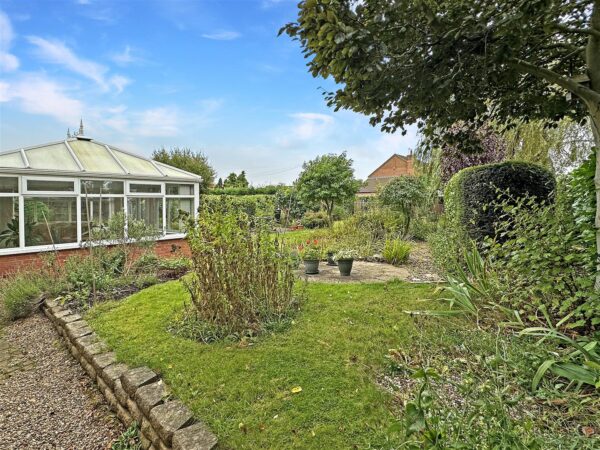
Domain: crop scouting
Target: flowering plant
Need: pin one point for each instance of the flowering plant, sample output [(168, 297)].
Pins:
[(310, 251), (346, 254)]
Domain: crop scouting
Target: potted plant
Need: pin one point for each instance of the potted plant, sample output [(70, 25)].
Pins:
[(311, 255), (345, 259), (331, 257)]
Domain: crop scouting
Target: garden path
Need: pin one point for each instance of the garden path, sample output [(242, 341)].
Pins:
[(371, 272), (46, 400)]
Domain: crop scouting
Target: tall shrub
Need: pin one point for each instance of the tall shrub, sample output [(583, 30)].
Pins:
[(242, 278), (471, 192)]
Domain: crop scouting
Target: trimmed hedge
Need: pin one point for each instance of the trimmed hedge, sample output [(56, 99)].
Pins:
[(253, 205), (471, 191)]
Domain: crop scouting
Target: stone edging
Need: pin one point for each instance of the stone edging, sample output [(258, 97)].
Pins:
[(133, 394)]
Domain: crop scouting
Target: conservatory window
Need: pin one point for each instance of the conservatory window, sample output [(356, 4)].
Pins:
[(178, 209), (35, 185), (148, 209), (9, 185), (101, 187), (96, 213), (138, 188), (50, 220), (180, 189), (9, 222)]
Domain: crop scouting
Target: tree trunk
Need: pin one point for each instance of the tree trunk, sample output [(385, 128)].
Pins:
[(593, 63)]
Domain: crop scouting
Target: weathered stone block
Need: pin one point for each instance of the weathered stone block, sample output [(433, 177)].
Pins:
[(162, 446), (59, 311), (86, 340), (70, 318), (151, 395), (150, 433), (93, 349), (124, 416), (88, 368), (77, 331), (120, 393), (48, 314), (111, 373), (146, 443), (194, 437), (169, 417), (100, 382), (111, 399), (103, 360), (135, 378), (134, 410)]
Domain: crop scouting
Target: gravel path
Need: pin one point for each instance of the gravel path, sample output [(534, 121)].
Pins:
[(46, 399)]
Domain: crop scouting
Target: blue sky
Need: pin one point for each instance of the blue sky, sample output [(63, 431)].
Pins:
[(209, 75)]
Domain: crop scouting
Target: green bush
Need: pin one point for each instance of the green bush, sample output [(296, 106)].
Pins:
[(546, 260), (396, 251), (242, 278), (250, 190), (471, 191), (316, 219), (252, 205)]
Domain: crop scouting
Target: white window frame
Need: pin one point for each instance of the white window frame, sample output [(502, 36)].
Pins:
[(29, 193), (145, 194), (20, 212), (194, 197)]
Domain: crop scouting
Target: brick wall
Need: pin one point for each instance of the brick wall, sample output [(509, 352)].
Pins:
[(394, 167), (12, 263)]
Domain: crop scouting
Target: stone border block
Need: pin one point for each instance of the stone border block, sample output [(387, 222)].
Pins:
[(169, 417), (194, 437), (136, 378)]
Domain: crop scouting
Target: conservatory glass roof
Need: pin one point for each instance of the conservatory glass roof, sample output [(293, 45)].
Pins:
[(82, 155)]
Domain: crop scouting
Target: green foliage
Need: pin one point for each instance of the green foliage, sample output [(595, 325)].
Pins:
[(404, 194), (396, 251), (129, 439), (546, 261), (252, 205), (470, 194), (234, 181), (316, 219), (242, 278), (328, 180), (188, 160), (249, 190), (288, 201)]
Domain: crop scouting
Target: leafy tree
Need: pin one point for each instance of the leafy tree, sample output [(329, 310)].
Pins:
[(231, 180), (434, 63), (328, 180), (404, 194), (188, 160), (453, 157), (220, 184), (241, 180)]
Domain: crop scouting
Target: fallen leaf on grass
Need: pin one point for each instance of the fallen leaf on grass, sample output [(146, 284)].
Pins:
[(296, 390), (588, 431)]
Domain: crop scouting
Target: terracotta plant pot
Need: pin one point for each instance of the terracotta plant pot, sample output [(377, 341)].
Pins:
[(345, 266), (311, 266)]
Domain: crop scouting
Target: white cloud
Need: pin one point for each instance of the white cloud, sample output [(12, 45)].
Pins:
[(162, 121), (222, 35), (56, 52), (126, 57), (8, 62), (310, 125), (36, 94)]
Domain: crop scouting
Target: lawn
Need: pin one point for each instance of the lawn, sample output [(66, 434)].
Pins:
[(334, 351)]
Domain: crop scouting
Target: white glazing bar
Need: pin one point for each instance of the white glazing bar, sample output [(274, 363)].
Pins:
[(21, 221), (74, 157), (25, 160), (116, 159), (157, 168)]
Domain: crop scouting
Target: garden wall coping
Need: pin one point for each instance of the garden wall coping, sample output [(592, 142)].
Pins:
[(134, 394)]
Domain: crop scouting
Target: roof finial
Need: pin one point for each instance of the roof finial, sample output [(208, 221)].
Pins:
[(80, 132), (68, 133)]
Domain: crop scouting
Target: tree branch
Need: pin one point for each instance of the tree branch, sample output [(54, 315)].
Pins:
[(569, 84), (589, 31)]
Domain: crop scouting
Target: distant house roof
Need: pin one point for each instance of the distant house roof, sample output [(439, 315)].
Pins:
[(374, 184), (387, 161), (393, 167), (81, 155)]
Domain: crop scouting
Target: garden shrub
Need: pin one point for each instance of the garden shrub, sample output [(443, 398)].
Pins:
[(471, 191), (546, 258), (316, 219), (252, 205), (396, 251), (242, 278)]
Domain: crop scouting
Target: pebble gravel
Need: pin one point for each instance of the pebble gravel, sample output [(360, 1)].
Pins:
[(46, 399)]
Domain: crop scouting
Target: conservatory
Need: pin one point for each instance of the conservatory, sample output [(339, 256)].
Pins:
[(51, 193)]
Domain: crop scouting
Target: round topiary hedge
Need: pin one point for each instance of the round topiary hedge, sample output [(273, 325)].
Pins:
[(471, 191)]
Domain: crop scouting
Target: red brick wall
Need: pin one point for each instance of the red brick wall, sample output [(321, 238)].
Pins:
[(395, 167), (12, 263)]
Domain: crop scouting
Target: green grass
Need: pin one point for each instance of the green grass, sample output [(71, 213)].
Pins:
[(333, 351)]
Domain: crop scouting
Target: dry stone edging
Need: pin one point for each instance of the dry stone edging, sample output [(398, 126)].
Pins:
[(137, 394)]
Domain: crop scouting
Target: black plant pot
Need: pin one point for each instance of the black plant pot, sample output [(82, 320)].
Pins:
[(311, 266), (330, 260), (345, 266)]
